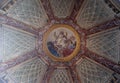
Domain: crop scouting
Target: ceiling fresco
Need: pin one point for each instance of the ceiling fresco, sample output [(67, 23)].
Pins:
[(31, 71), (60, 75), (106, 43), (62, 8), (93, 72), (29, 11), (94, 12), (14, 43), (59, 41)]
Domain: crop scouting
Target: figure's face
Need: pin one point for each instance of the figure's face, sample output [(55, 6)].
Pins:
[(61, 35)]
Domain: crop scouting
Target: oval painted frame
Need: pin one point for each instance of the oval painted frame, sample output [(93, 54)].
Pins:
[(61, 59)]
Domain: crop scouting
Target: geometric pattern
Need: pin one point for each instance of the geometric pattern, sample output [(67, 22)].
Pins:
[(60, 76), (106, 44), (94, 12), (62, 8), (89, 72), (31, 71), (14, 43), (30, 12), (4, 78)]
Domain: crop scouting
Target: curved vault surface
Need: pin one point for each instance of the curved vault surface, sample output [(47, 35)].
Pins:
[(23, 24)]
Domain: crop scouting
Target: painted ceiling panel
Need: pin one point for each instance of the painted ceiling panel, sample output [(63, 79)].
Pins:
[(60, 75), (106, 44), (31, 71), (94, 12), (30, 12), (14, 43), (62, 8), (90, 72)]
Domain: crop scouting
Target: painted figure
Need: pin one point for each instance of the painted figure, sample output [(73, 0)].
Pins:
[(60, 39), (62, 45), (52, 49)]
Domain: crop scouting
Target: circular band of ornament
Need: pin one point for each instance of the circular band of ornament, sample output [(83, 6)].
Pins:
[(61, 42)]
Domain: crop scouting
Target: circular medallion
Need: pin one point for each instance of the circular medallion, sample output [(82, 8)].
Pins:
[(61, 42)]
